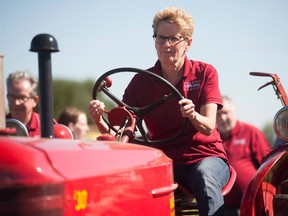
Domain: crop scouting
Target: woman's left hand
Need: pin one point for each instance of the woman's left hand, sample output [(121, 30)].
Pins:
[(187, 108)]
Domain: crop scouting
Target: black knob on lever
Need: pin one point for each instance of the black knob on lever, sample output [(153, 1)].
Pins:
[(107, 82)]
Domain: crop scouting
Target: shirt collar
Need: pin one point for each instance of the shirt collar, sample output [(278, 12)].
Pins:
[(34, 122), (187, 67)]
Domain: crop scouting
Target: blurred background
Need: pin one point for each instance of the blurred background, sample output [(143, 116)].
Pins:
[(236, 37)]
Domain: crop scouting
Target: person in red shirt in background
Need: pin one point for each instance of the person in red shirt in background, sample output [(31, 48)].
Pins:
[(199, 158), (22, 96), (245, 146)]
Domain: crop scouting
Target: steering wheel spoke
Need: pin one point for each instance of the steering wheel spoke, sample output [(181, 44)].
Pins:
[(143, 111), (113, 97)]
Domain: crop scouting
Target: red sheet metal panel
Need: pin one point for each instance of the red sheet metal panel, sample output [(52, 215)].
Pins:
[(253, 197), (70, 177)]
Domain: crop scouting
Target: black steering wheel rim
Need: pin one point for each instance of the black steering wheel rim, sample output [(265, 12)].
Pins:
[(100, 86)]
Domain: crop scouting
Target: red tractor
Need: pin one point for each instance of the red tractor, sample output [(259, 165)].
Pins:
[(267, 193), (51, 176), (111, 176)]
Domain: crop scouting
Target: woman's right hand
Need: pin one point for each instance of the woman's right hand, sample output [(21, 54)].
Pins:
[(96, 108)]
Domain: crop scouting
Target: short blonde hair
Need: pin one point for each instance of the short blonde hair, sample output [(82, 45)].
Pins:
[(176, 16)]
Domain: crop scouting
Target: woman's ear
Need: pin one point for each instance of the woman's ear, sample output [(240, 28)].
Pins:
[(189, 43)]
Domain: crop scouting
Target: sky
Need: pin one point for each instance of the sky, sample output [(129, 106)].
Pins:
[(95, 36)]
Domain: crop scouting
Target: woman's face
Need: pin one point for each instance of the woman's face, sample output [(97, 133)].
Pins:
[(171, 53), (80, 128)]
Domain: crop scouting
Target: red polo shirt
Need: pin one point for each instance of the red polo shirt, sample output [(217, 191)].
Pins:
[(245, 148), (200, 84), (34, 127)]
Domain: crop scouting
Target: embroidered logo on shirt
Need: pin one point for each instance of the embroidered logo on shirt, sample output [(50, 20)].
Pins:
[(192, 85), (240, 141)]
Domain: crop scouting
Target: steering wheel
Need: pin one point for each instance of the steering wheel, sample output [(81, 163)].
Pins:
[(104, 82)]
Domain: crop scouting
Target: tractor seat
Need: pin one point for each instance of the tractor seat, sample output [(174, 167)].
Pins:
[(226, 189)]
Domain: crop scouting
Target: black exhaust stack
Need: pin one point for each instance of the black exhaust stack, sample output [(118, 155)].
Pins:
[(45, 44)]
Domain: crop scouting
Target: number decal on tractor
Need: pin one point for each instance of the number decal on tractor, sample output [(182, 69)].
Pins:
[(81, 197), (172, 206)]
